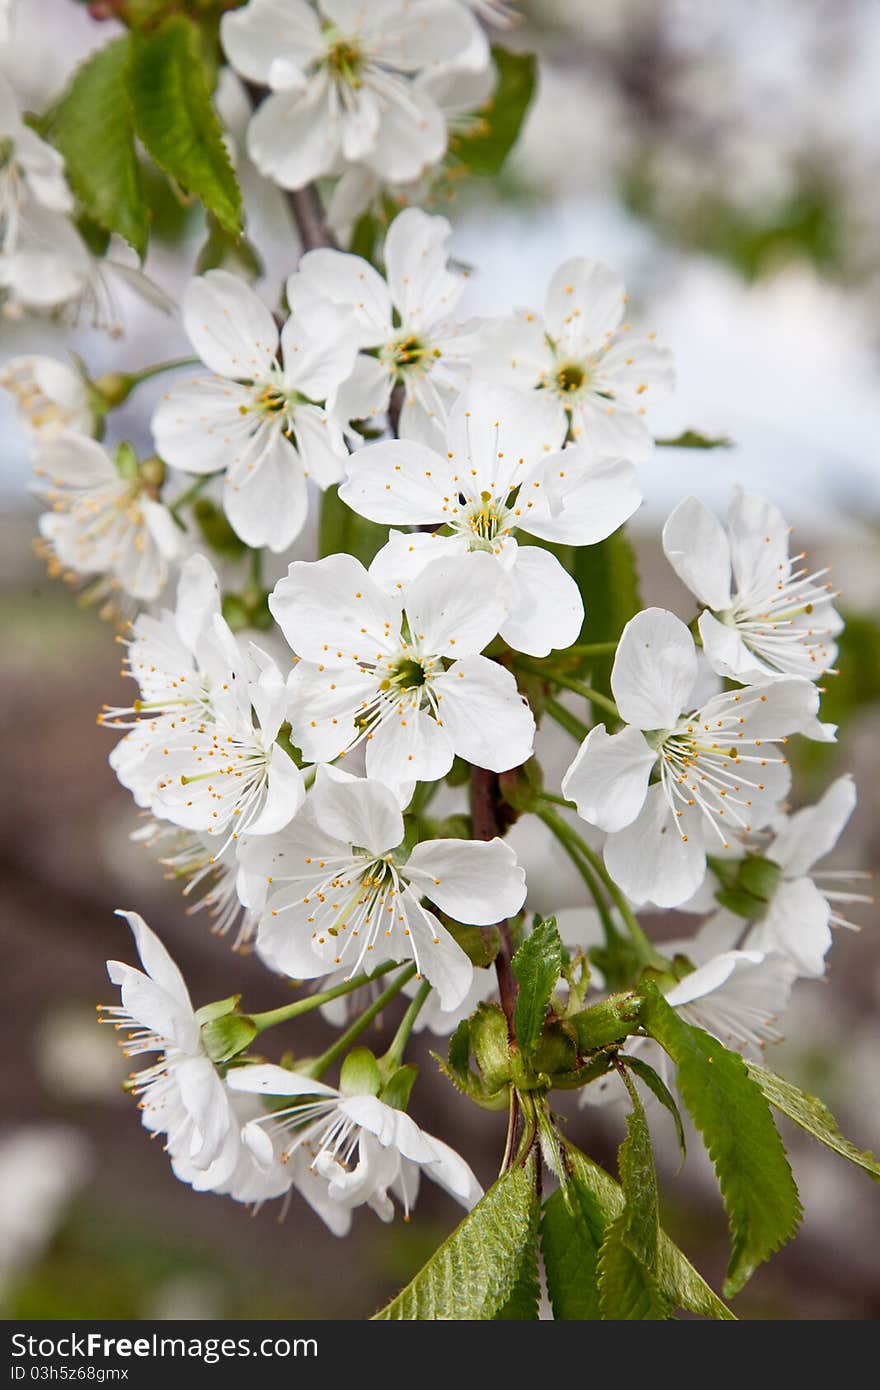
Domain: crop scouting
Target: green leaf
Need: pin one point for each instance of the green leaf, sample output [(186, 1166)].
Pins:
[(572, 1231), (812, 1115), (628, 1286), (537, 966), (522, 1302), (575, 1222), (341, 529), (487, 146), (730, 1112), (627, 1290), (657, 1085), (479, 1269), (222, 251), (693, 439), (174, 118), (92, 127), (638, 1178), (607, 577)]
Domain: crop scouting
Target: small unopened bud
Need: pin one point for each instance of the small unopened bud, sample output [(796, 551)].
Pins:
[(152, 474), (113, 388)]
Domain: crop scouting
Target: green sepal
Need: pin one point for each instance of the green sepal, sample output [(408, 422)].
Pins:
[(360, 1074), (609, 1021), (227, 1034), (398, 1088), (489, 1044), (480, 944), (126, 461)]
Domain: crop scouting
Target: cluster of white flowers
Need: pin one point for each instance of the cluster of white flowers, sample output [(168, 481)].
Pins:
[(287, 774)]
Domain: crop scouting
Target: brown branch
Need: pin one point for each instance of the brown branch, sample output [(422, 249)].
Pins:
[(310, 218), (487, 823)]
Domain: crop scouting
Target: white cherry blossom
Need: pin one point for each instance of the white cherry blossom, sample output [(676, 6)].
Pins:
[(193, 753), (259, 416), (596, 377), (345, 893), (719, 769), (802, 902), (104, 519), (502, 474), (401, 323), (460, 95), (341, 81), (180, 1094), (401, 673), (737, 995), (212, 879), (765, 614), (50, 396), (362, 1148)]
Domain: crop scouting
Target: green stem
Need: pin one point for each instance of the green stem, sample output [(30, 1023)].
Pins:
[(189, 495), (255, 568), (557, 800), (641, 941), (160, 367), (567, 838), (303, 1006), (595, 697), (343, 1043), (394, 1056), (592, 649), (568, 721)]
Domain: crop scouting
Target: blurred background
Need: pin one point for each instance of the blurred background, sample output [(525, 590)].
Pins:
[(726, 160)]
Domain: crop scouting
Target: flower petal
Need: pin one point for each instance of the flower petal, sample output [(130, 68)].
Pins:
[(330, 610), (795, 925), (696, 546), (809, 834), (487, 720), (265, 498), (608, 780), (229, 326), (655, 669), (263, 31), (477, 882), (584, 498), (544, 607), (585, 302), (292, 138), (357, 810), (423, 289), (651, 860)]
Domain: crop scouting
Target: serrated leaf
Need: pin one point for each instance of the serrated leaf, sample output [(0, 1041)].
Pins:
[(729, 1110), (693, 439), (341, 529), (174, 118), (593, 1200), (813, 1115), (484, 149), (608, 579), (627, 1264), (572, 1230), (522, 1302), (638, 1178), (661, 1091), (92, 127), (478, 1269), (627, 1290), (537, 966)]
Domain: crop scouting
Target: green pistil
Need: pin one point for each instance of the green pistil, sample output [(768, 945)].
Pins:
[(346, 60), (570, 378), (409, 674)]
